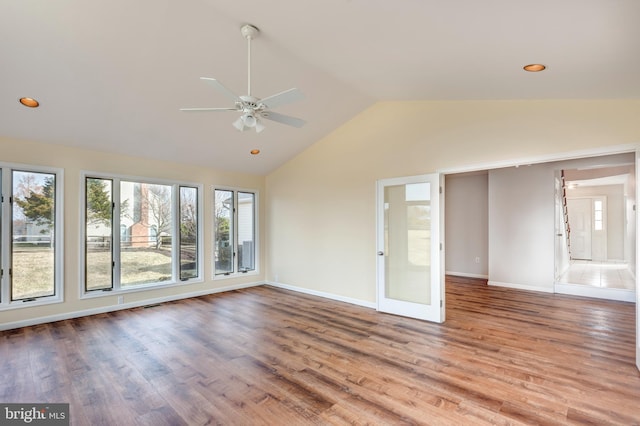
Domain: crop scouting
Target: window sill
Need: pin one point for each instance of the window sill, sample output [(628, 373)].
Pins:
[(235, 275), (31, 303), (135, 289)]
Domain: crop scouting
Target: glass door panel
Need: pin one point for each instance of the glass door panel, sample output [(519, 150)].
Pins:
[(409, 277)]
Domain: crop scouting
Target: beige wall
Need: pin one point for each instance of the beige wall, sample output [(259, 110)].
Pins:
[(73, 161), (320, 211), (318, 225)]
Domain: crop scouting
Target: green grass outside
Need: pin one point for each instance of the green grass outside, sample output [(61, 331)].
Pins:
[(33, 270)]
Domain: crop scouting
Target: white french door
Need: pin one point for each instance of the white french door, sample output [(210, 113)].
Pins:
[(410, 274)]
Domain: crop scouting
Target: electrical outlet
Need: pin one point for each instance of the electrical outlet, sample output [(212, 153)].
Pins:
[(120, 300), (477, 260)]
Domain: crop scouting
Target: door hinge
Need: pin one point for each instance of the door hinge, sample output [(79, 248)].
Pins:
[(441, 190), (441, 303), (440, 246)]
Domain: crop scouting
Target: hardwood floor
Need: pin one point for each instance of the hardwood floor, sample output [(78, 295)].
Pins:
[(269, 356)]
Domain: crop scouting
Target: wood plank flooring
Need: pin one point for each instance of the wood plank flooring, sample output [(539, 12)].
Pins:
[(269, 356)]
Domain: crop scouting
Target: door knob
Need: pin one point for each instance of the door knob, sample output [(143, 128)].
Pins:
[(380, 253)]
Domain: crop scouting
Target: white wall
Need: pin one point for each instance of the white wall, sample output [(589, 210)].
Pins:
[(467, 224), (521, 227)]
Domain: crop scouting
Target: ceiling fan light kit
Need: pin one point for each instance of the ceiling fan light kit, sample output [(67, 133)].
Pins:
[(254, 109)]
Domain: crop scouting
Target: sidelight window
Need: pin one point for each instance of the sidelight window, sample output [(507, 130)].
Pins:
[(597, 215)]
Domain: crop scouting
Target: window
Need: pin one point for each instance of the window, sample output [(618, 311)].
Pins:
[(130, 227), (98, 231), (235, 232), (31, 238), (597, 215), (146, 252), (188, 232)]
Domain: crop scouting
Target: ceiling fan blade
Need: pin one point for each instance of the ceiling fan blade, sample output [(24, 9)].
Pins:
[(282, 98), (219, 87), (208, 109), (284, 119)]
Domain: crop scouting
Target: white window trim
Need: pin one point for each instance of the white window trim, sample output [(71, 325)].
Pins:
[(256, 210), (5, 290), (175, 281)]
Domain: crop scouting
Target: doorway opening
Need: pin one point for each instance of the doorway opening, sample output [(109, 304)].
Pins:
[(595, 230), (499, 226)]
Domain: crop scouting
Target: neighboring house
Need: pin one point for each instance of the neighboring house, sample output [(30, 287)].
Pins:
[(138, 225)]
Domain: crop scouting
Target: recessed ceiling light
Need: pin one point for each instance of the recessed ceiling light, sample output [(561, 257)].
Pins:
[(255, 151), (29, 102), (534, 67)]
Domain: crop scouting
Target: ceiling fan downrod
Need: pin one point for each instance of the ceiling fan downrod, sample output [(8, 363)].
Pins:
[(249, 32)]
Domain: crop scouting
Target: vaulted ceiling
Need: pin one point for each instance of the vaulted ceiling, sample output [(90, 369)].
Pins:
[(112, 75)]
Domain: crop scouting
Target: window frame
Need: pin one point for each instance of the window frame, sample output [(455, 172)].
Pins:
[(117, 287), (256, 233), (6, 227), (198, 198), (599, 223)]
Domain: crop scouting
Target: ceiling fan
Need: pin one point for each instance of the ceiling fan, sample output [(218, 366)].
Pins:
[(254, 109)]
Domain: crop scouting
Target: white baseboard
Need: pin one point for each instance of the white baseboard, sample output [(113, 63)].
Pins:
[(331, 296), (113, 308), (467, 275), (596, 292), (521, 286)]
